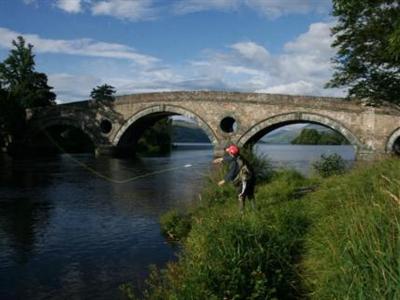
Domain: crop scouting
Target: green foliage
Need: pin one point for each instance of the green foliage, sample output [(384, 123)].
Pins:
[(329, 165), (12, 118), (21, 87), (367, 39), (307, 137), (19, 78), (175, 225), (156, 139), (353, 247), (260, 164), (103, 93), (315, 137)]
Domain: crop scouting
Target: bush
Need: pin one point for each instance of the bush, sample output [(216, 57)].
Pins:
[(175, 225), (260, 164), (329, 165)]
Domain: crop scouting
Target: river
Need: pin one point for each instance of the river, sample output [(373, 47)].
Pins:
[(77, 227)]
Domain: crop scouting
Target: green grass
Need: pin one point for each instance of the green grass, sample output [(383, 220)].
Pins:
[(228, 255), (353, 248), (340, 242)]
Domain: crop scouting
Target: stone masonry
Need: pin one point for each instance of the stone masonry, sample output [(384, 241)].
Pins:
[(225, 117)]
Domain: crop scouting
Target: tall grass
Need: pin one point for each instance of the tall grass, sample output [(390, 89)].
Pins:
[(228, 255), (339, 242), (353, 249)]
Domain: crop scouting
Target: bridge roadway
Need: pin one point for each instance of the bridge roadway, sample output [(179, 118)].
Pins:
[(226, 117)]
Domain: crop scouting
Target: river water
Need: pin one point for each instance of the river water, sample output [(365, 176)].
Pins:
[(77, 227)]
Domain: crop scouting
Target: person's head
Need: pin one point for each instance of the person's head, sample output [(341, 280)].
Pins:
[(232, 150)]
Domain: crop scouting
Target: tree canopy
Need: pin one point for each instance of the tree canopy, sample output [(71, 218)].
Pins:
[(103, 93), (21, 87), (367, 38), (19, 79)]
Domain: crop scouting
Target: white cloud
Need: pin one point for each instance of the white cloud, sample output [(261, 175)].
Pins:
[(70, 87), (302, 68), (317, 40), (138, 10), (270, 8), (190, 6), (252, 52), (81, 47), (71, 6), (276, 8), (295, 88), (125, 9)]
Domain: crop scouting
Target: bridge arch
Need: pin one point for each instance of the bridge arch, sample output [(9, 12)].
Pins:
[(392, 141), (165, 110), (43, 124), (260, 129)]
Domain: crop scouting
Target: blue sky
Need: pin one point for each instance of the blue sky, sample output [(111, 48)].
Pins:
[(267, 46)]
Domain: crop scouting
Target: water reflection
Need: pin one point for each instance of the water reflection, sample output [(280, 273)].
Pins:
[(302, 157), (21, 219), (68, 232)]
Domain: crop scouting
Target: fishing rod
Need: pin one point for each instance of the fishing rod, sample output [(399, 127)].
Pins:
[(108, 178)]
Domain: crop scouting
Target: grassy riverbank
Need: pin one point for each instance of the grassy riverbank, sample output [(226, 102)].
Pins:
[(352, 250), (340, 242)]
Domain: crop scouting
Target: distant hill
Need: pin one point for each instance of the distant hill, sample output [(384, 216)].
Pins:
[(281, 136), (185, 132)]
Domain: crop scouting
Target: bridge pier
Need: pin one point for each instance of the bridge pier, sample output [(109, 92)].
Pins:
[(370, 155)]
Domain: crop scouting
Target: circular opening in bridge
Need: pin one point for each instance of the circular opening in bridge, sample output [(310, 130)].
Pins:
[(228, 124), (105, 126)]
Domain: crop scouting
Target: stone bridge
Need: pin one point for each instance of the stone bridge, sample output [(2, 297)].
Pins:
[(225, 117)]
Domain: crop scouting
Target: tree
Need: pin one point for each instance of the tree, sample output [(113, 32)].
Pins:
[(156, 139), (367, 36), (21, 87), (307, 137), (311, 136), (20, 80), (328, 165), (103, 93)]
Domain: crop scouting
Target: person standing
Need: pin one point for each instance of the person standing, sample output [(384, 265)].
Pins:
[(240, 174)]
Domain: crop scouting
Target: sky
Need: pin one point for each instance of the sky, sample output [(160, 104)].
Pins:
[(140, 46)]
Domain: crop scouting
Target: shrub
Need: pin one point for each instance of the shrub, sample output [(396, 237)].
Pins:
[(261, 165), (329, 165), (175, 225)]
